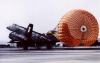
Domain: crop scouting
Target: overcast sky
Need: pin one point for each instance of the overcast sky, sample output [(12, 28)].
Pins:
[(44, 14)]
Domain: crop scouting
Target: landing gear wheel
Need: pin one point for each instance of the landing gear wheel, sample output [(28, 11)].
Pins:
[(25, 48), (49, 46)]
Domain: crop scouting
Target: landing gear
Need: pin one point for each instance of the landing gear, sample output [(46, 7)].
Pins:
[(25, 47), (49, 46)]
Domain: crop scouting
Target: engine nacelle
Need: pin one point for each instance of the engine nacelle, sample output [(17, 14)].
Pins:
[(17, 37)]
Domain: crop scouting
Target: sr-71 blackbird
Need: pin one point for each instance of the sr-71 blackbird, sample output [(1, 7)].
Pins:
[(26, 37)]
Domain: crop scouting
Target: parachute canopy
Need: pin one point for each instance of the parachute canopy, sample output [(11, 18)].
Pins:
[(78, 28)]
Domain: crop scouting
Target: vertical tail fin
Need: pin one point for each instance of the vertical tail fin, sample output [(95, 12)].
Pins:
[(29, 29)]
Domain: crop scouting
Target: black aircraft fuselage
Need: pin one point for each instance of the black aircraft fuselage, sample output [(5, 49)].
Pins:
[(26, 37)]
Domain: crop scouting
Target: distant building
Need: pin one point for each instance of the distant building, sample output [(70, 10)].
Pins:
[(13, 44), (4, 46)]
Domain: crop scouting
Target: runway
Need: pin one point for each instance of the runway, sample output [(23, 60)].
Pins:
[(17, 55)]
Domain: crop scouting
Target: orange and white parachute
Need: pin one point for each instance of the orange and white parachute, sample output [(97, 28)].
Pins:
[(78, 28)]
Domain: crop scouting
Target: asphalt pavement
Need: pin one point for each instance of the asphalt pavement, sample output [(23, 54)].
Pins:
[(18, 55)]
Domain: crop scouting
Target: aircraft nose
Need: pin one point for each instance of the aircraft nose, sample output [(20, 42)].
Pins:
[(11, 27), (8, 27)]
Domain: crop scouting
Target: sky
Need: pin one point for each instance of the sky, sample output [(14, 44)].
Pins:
[(44, 14)]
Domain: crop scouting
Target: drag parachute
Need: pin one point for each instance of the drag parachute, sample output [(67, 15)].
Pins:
[(78, 28)]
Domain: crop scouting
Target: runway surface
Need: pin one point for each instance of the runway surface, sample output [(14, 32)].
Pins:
[(18, 55)]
